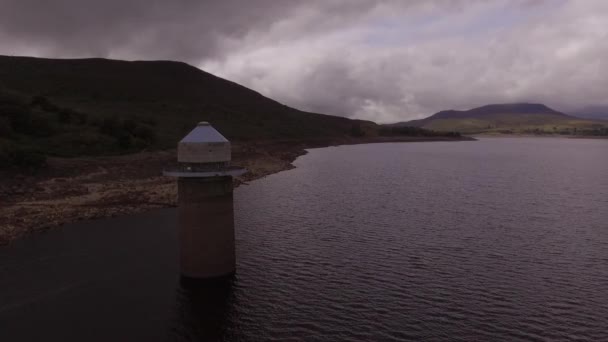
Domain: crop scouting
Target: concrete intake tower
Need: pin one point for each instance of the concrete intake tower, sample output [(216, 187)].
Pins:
[(205, 204)]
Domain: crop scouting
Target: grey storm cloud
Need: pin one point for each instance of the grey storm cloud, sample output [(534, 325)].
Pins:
[(381, 60), (187, 30)]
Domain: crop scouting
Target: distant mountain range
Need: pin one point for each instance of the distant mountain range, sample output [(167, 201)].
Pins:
[(592, 112), (509, 118)]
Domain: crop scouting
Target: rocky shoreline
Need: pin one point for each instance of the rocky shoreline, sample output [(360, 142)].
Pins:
[(75, 189)]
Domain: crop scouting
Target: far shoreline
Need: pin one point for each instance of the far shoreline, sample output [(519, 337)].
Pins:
[(558, 136)]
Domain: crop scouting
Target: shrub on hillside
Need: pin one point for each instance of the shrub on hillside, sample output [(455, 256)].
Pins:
[(44, 104), (125, 141), (110, 126), (77, 143), (9, 97), (39, 100), (28, 158), (415, 132), (5, 158), (146, 134), (5, 127), (41, 125), (18, 115), (81, 118), (128, 133), (129, 125), (356, 130), (149, 121), (65, 116), (12, 155)]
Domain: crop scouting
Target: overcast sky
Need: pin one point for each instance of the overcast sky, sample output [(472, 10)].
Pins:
[(380, 60)]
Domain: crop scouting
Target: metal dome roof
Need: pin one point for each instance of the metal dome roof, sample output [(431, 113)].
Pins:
[(204, 133)]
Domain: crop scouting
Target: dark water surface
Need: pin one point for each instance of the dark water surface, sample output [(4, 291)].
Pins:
[(494, 240)]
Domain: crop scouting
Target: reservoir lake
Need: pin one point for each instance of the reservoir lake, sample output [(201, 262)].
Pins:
[(501, 239)]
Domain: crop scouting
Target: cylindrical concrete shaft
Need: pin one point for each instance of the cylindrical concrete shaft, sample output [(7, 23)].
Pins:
[(206, 227)]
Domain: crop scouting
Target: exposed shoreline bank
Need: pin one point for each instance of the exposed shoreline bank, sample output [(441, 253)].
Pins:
[(76, 189), (522, 135)]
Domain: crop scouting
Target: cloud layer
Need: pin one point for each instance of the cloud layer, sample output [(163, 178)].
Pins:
[(379, 60)]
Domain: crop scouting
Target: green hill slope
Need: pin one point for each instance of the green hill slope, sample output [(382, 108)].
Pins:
[(174, 94), (96, 106), (510, 118)]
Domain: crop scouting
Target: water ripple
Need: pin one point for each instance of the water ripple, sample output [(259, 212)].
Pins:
[(427, 246)]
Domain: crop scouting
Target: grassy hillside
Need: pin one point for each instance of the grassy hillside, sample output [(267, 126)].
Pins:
[(89, 107), (98, 106), (510, 118), (174, 95)]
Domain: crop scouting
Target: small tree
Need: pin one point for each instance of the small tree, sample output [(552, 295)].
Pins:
[(5, 127), (356, 131), (129, 125), (109, 126), (146, 133), (64, 116)]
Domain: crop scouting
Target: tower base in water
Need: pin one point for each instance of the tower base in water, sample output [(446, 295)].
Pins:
[(206, 227)]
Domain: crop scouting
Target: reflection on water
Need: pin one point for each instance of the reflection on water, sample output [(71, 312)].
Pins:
[(203, 308)]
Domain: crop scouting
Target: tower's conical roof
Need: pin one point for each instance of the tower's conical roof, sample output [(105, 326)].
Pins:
[(204, 152), (204, 133)]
